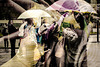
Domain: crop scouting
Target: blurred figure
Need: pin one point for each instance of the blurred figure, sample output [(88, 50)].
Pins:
[(29, 52), (44, 26), (12, 29), (5, 32)]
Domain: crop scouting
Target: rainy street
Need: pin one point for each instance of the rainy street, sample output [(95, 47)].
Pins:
[(93, 49), (49, 33)]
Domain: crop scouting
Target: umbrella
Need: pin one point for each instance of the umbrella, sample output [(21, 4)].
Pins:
[(63, 5), (54, 14), (85, 7), (33, 14), (73, 5)]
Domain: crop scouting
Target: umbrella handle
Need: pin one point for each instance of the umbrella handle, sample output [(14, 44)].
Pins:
[(62, 18)]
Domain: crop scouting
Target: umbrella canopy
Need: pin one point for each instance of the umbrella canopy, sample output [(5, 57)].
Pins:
[(63, 5), (73, 5), (54, 14), (85, 7), (33, 14)]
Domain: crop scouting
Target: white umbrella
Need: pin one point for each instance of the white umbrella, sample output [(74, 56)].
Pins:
[(33, 14)]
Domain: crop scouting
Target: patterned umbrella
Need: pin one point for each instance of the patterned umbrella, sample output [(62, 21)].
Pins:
[(72, 5), (63, 5)]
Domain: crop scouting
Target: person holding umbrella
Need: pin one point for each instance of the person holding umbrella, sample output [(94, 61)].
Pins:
[(28, 53)]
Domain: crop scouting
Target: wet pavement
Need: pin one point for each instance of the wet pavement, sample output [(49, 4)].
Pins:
[(93, 52), (93, 55), (5, 55)]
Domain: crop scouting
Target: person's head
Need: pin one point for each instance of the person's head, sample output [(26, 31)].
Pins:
[(10, 22), (86, 15), (43, 29), (80, 19), (5, 24), (30, 21)]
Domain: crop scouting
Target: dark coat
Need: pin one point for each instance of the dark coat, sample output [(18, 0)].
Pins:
[(11, 29)]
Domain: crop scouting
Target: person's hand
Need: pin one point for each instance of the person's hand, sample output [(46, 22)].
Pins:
[(1, 39)]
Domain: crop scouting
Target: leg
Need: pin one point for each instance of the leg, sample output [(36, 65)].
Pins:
[(12, 41), (5, 44)]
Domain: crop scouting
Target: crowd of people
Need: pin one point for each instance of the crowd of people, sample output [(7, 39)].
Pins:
[(68, 46), (51, 45)]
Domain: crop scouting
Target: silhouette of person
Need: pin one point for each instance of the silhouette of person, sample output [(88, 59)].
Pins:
[(5, 32), (12, 29)]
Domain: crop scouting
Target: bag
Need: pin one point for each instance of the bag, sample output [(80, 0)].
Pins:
[(70, 34), (59, 50)]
